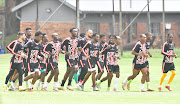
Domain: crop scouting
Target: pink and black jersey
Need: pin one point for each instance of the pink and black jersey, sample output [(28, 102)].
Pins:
[(101, 56), (70, 46), (139, 48), (110, 54), (33, 51), (16, 48), (55, 49), (167, 50), (42, 46)]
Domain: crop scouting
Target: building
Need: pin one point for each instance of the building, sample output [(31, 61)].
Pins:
[(96, 17)]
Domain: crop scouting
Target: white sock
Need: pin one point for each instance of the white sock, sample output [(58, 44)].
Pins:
[(142, 86), (126, 81), (5, 84), (116, 82), (45, 85), (42, 84), (31, 86), (55, 84), (12, 84), (26, 82)]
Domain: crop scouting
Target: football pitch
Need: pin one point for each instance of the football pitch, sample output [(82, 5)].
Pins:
[(101, 97)]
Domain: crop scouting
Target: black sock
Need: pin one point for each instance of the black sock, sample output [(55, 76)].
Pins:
[(14, 80), (63, 82), (109, 85), (69, 83), (101, 81)]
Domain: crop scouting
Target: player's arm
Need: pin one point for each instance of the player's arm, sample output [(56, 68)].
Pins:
[(135, 51), (48, 49), (116, 54), (64, 47), (105, 49), (87, 45), (10, 47), (79, 45), (164, 50)]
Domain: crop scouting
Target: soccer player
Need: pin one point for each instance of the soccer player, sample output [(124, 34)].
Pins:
[(111, 56), (101, 56), (139, 51), (42, 64), (92, 58), (148, 39), (168, 64), (70, 54), (53, 49), (83, 59), (16, 49), (33, 48)]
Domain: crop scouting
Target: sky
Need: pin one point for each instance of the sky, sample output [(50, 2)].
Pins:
[(136, 5)]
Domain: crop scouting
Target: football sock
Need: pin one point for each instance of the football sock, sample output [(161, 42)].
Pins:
[(148, 85), (171, 77), (63, 82), (129, 82), (116, 82), (69, 83), (142, 86), (162, 78)]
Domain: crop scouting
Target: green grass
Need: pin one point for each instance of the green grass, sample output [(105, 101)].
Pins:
[(101, 97), (2, 3)]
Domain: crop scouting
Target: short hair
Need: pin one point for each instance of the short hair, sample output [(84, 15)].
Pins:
[(72, 30), (28, 29), (95, 34), (38, 33), (170, 34), (112, 36), (82, 35), (60, 39), (141, 35), (20, 33), (102, 35), (147, 33)]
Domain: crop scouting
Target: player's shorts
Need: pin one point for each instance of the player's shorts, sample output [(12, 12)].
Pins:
[(92, 62), (109, 68), (115, 68), (83, 63), (42, 67), (77, 62), (51, 66), (71, 62), (147, 65), (139, 66), (14, 66), (100, 66), (168, 67), (33, 67)]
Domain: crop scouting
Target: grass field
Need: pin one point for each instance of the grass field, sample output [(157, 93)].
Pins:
[(104, 97)]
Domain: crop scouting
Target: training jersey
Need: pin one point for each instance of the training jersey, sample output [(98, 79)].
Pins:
[(33, 51), (110, 54), (101, 49), (16, 48), (167, 50), (139, 48), (42, 46), (93, 49), (71, 47), (54, 48)]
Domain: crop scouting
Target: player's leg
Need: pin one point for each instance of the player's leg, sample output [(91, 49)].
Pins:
[(165, 69), (20, 71), (7, 79), (109, 80), (100, 70), (116, 80), (143, 79), (173, 73), (56, 74), (66, 75)]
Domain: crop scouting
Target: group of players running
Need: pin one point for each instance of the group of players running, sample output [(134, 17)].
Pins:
[(38, 57)]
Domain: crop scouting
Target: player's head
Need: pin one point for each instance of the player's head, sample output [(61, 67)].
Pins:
[(170, 37), (74, 32), (60, 39), (55, 36), (143, 38), (103, 38), (118, 39), (95, 37), (148, 36), (44, 37), (28, 32), (89, 33), (22, 36), (112, 38), (82, 35), (38, 36)]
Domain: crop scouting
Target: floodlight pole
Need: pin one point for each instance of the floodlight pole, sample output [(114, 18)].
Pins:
[(3, 34), (37, 13), (77, 15), (164, 31), (120, 27), (149, 19), (113, 18)]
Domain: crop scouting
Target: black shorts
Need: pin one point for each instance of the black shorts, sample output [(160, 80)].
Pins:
[(32, 66), (92, 62), (51, 66), (147, 65), (139, 66), (83, 63), (18, 66), (71, 62), (112, 68), (100, 66), (42, 66), (168, 67), (115, 68)]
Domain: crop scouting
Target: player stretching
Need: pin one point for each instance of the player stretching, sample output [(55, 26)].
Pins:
[(139, 51), (70, 48), (111, 56), (148, 39), (33, 48), (92, 58), (52, 49), (168, 64), (16, 48)]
